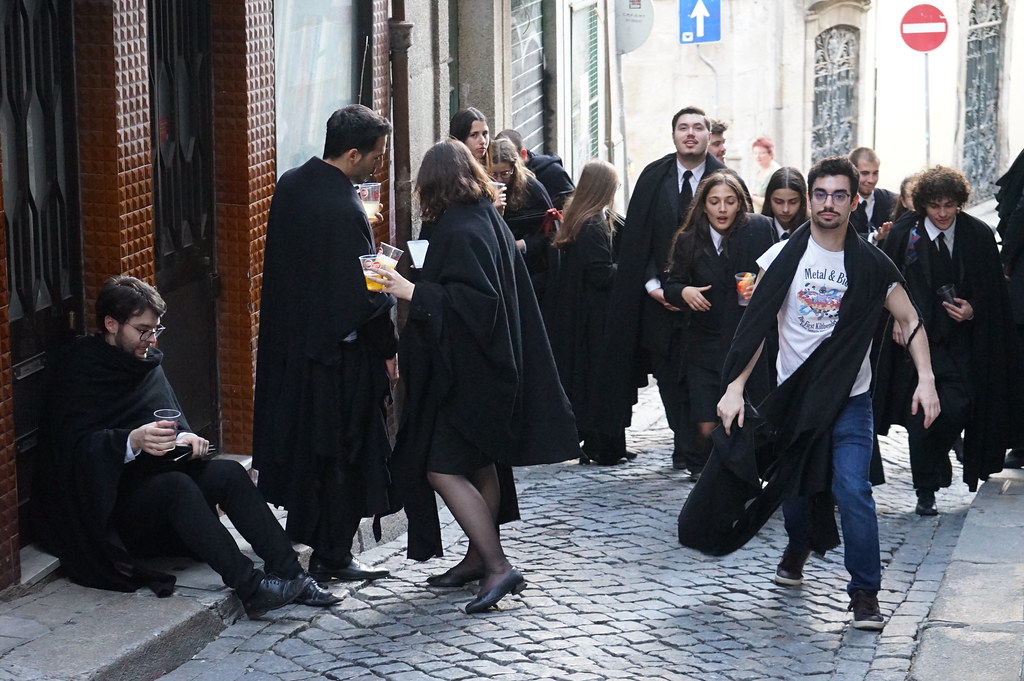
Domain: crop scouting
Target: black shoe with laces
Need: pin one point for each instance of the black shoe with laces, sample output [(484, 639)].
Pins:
[(272, 593), (866, 614), (791, 568)]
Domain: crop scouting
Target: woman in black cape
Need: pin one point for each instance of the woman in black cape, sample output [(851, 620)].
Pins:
[(482, 391), (718, 240), (576, 306)]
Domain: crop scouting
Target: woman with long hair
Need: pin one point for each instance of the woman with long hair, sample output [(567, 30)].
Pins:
[(717, 241), (785, 201), (469, 126), (575, 307), (482, 391), (526, 207)]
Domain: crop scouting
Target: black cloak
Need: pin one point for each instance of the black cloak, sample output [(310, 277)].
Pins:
[(98, 395), (551, 173), (475, 353), (575, 312), (527, 223), (994, 367), (784, 447), (1011, 228), (321, 380)]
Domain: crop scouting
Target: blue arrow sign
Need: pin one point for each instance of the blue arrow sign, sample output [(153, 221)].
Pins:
[(700, 21)]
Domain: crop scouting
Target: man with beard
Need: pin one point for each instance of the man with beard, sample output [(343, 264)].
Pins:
[(648, 329), (118, 481), (952, 268), (326, 352), (823, 290), (873, 215)]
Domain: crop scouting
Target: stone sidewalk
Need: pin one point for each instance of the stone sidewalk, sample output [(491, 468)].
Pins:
[(611, 596)]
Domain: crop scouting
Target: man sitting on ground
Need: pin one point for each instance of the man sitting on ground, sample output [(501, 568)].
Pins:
[(116, 483)]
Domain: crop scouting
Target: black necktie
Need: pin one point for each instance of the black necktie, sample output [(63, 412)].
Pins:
[(685, 194), (943, 249)]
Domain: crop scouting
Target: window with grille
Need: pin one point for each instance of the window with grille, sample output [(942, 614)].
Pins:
[(587, 90), (836, 76)]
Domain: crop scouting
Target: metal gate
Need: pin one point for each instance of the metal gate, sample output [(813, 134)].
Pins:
[(981, 94), (40, 184), (528, 72), (181, 92), (835, 92)]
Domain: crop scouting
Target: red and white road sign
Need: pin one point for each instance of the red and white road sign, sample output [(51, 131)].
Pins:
[(924, 27)]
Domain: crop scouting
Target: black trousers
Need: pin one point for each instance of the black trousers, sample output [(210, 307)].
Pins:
[(675, 397), (930, 466), (166, 513), (338, 516)]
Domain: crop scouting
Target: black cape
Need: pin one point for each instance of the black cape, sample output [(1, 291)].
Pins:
[(551, 173), (475, 353), (576, 311), (1010, 198), (319, 410), (98, 395), (994, 367), (527, 223), (784, 447)]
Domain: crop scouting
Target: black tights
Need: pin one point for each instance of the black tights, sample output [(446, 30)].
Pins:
[(473, 500), (159, 513)]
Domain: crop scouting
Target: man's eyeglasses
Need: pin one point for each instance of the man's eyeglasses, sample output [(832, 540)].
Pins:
[(146, 335), (502, 175), (840, 197)]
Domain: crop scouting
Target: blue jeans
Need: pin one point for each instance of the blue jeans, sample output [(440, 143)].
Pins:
[(851, 486)]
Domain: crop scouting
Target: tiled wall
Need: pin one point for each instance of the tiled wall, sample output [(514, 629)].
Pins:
[(243, 72), (10, 567), (112, 76)]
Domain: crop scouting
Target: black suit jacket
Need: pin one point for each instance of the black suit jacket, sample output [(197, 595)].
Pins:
[(885, 200)]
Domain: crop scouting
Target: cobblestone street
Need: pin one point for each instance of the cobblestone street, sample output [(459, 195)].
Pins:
[(612, 595)]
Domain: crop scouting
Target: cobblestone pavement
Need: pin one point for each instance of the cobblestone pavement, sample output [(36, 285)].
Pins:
[(613, 596)]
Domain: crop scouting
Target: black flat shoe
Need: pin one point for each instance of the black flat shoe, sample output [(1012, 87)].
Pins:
[(315, 596), (355, 571), (451, 579), (513, 583)]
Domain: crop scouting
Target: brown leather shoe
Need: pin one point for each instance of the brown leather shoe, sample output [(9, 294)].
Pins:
[(791, 568), (866, 614)]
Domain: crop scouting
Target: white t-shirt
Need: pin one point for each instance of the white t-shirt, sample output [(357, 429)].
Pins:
[(811, 309)]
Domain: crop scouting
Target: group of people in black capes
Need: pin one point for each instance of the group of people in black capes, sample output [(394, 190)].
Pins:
[(782, 343)]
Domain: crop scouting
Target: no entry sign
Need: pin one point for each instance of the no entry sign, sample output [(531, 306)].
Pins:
[(924, 27)]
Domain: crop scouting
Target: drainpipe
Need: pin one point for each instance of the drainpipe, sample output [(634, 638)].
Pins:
[(400, 39)]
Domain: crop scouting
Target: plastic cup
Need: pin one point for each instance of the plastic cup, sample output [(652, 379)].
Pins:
[(418, 251), (947, 293), (388, 256), (745, 286), (369, 194), (167, 415), (364, 262)]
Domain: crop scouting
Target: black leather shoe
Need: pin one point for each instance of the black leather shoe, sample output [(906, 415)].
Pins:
[(791, 568), (925, 503), (454, 579), (513, 583), (355, 571), (315, 596), (272, 592), (1014, 458), (679, 463), (695, 474)]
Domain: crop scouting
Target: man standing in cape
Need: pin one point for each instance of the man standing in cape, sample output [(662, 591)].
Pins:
[(648, 335), (824, 290), (326, 352), (115, 483), (973, 345)]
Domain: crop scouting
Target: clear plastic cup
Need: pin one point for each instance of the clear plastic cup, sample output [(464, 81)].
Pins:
[(369, 194), (745, 287), (364, 262)]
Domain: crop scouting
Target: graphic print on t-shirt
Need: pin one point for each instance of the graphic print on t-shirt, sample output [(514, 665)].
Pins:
[(820, 299)]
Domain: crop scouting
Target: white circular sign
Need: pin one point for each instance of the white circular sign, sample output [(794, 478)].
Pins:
[(634, 20)]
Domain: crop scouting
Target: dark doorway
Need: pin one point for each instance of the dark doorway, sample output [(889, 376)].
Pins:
[(40, 185), (181, 92)]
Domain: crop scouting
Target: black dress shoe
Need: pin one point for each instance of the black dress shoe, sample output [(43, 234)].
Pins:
[(272, 592), (354, 571), (925, 503), (315, 596), (790, 571), (1014, 458), (454, 579), (513, 583)]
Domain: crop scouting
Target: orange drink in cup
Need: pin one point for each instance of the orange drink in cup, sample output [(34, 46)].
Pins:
[(745, 286), (365, 261)]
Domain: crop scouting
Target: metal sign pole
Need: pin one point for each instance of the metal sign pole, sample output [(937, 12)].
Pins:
[(927, 118)]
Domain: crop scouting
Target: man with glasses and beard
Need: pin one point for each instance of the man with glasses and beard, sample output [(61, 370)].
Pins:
[(811, 441), (116, 482)]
